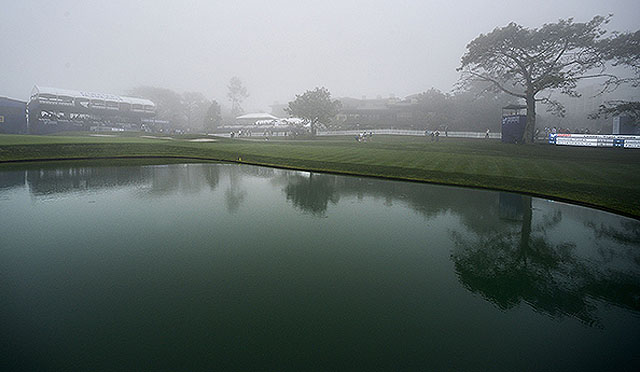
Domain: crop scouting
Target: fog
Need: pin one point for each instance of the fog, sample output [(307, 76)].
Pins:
[(277, 48)]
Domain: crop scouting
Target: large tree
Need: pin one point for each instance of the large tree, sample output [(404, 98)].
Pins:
[(314, 106), (524, 62), (237, 94)]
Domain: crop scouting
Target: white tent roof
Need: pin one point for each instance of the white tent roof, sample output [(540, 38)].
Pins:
[(257, 116), (90, 95)]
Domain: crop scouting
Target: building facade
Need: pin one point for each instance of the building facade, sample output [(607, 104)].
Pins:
[(13, 116)]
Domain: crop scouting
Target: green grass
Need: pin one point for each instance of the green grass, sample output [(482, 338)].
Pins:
[(602, 177)]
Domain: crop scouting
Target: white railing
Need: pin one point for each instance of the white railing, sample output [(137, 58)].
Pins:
[(406, 132), (253, 135), (595, 140)]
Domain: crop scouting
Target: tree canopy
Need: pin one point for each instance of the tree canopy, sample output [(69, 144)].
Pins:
[(186, 111), (315, 106), (194, 106), (168, 103), (213, 117), (624, 51), (524, 62), (237, 94)]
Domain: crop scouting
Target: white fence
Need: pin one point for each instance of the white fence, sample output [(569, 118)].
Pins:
[(405, 132), (561, 139), (252, 135)]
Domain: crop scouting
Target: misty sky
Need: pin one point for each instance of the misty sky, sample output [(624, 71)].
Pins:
[(277, 48)]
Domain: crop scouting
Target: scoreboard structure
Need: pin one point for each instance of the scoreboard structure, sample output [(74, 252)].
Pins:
[(514, 121), (54, 110), (595, 140)]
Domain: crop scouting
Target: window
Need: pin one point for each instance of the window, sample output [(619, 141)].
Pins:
[(65, 100), (97, 103)]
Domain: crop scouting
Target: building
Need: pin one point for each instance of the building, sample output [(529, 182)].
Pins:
[(13, 116), (54, 110), (626, 124), (255, 118), (379, 112)]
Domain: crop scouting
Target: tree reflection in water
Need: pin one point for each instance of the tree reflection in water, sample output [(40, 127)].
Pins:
[(515, 263), (311, 194), (504, 252), (234, 194)]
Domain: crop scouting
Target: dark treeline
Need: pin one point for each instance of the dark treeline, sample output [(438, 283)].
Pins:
[(189, 111), (472, 109)]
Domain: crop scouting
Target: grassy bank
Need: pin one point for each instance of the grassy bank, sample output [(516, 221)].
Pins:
[(602, 177)]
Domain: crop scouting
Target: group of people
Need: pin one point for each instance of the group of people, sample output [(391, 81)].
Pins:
[(240, 133), (554, 130), (435, 134), (362, 137)]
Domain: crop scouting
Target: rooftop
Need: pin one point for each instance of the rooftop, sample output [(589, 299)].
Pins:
[(90, 95)]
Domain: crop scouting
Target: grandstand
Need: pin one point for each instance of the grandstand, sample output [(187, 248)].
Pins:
[(53, 110)]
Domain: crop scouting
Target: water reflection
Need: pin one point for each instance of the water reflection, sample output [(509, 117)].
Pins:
[(12, 179), (517, 263), (510, 249), (314, 193), (311, 193), (505, 252), (235, 194), (63, 180)]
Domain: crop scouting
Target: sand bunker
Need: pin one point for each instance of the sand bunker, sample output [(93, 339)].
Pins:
[(202, 140), (154, 137)]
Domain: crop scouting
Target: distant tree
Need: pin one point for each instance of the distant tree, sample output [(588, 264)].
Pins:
[(434, 108), (213, 118), (523, 62), (478, 107), (168, 103), (314, 106), (624, 51), (237, 94), (618, 108), (194, 106)]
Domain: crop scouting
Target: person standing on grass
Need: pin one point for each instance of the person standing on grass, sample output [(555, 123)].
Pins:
[(487, 134)]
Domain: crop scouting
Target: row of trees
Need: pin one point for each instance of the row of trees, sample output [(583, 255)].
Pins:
[(192, 110), (187, 111), (474, 108)]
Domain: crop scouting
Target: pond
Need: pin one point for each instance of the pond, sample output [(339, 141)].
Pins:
[(225, 266)]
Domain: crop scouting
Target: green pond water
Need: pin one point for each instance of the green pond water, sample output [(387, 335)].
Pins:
[(233, 267)]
